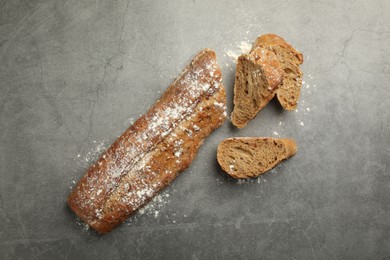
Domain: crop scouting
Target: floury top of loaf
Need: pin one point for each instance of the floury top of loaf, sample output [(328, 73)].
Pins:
[(153, 151)]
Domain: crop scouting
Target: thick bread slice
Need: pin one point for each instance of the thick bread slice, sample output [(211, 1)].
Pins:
[(153, 151), (289, 91), (258, 75), (245, 157)]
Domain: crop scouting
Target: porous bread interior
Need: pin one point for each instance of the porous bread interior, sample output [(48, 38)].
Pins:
[(250, 157), (251, 91), (289, 91)]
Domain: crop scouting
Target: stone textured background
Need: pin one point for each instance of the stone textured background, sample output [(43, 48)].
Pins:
[(75, 74)]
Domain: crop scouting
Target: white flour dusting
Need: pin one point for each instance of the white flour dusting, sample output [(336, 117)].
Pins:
[(245, 47), (232, 55), (259, 179), (82, 225), (84, 159), (241, 48), (130, 121), (153, 208), (93, 153), (308, 89)]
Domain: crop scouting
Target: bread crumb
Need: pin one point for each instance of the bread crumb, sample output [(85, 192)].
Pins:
[(275, 133), (308, 109), (280, 123), (301, 123)]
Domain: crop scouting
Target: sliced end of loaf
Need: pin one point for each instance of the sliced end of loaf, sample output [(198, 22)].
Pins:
[(289, 91), (247, 157), (258, 75)]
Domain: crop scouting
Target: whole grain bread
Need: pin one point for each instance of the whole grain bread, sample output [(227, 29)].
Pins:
[(258, 75), (246, 157), (289, 91), (155, 149)]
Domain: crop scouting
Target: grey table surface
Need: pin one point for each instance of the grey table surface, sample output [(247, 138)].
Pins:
[(75, 74)]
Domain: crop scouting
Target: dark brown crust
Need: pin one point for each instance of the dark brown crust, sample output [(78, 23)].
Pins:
[(135, 167)]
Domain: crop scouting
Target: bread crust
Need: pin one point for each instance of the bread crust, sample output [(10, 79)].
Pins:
[(155, 149), (269, 40)]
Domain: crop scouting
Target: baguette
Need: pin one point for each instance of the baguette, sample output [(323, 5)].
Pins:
[(289, 91), (155, 149), (258, 75), (246, 157)]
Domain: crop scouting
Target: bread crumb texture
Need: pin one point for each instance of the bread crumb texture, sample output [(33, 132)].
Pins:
[(246, 157)]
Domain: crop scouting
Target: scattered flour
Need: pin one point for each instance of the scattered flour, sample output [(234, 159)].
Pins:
[(130, 121), (232, 55), (245, 47), (84, 159), (154, 206), (82, 225), (259, 179), (93, 153), (242, 47)]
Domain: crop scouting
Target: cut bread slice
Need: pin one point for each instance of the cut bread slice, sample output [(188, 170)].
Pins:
[(246, 157), (289, 91), (258, 75)]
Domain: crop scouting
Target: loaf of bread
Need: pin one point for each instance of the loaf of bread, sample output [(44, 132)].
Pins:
[(155, 149), (289, 91), (258, 75), (246, 157)]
